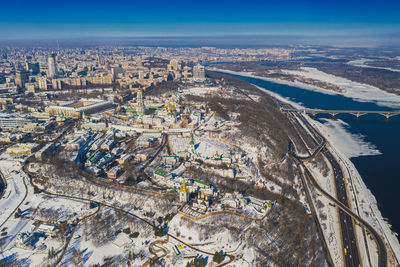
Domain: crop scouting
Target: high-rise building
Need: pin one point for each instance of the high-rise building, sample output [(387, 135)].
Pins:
[(21, 78), (43, 83), (116, 70), (52, 67), (33, 68), (174, 64), (199, 73), (141, 74), (139, 62)]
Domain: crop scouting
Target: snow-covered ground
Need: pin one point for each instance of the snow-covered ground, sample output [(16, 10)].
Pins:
[(369, 208), (30, 206), (330, 225), (121, 245), (352, 145), (15, 191), (207, 146), (179, 144), (339, 142), (201, 90), (361, 63), (356, 91), (200, 234)]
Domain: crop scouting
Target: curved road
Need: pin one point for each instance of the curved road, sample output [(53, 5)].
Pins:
[(16, 208), (345, 213), (382, 261)]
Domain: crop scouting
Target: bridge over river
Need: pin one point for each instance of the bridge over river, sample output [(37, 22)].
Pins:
[(357, 113)]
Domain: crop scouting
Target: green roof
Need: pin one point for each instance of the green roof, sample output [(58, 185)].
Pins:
[(161, 172), (201, 182), (170, 156)]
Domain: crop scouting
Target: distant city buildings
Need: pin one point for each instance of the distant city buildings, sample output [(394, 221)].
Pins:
[(124, 68), (33, 68), (52, 67), (21, 78), (199, 73), (141, 75), (42, 83), (174, 65), (60, 83)]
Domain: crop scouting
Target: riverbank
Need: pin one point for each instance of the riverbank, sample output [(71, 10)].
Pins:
[(361, 63), (366, 200), (361, 195), (356, 91)]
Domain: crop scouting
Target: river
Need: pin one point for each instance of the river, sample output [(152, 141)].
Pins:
[(380, 172), (2, 186)]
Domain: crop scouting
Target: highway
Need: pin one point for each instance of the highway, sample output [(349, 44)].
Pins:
[(349, 242), (315, 217), (346, 222), (382, 253), (346, 215)]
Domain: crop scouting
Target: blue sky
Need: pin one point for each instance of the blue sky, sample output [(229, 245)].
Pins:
[(129, 18)]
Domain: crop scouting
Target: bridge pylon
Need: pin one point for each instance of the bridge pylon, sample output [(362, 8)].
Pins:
[(388, 115), (358, 114)]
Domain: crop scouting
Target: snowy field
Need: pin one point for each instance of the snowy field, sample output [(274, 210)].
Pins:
[(31, 208), (356, 91), (201, 90), (207, 146), (361, 63), (178, 143), (211, 238)]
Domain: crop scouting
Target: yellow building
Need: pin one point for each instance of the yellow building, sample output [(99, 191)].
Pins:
[(82, 81), (5, 101), (140, 157), (65, 111), (23, 149), (33, 127), (75, 110)]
